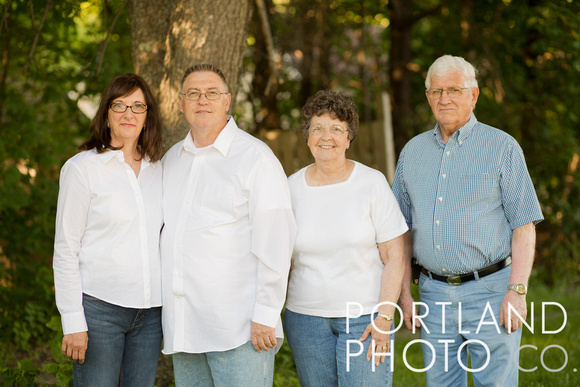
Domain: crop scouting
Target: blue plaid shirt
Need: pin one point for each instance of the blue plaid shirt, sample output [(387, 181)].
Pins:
[(462, 199)]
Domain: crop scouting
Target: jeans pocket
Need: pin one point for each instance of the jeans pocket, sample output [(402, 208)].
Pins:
[(496, 282), (87, 297), (424, 283)]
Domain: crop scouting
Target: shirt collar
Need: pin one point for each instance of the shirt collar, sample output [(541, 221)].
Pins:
[(461, 134), (110, 154), (222, 143)]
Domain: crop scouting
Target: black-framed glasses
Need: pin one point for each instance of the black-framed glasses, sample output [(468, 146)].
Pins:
[(193, 95), (452, 92), (119, 107)]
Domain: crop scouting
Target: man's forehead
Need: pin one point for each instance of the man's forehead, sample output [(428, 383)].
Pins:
[(451, 78), (203, 79)]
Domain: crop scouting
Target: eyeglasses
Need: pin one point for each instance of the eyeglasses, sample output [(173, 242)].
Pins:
[(335, 130), (452, 92), (211, 95), (119, 107)]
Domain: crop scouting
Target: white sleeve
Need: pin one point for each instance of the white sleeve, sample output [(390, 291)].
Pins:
[(273, 235), (71, 219), (387, 218)]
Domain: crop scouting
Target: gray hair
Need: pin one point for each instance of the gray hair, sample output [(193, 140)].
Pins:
[(447, 64), (204, 67)]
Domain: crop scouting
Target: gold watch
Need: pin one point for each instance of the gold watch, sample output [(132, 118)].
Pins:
[(519, 289)]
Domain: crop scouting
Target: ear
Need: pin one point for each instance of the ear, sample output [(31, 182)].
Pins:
[(181, 102), (474, 97), (228, 101)]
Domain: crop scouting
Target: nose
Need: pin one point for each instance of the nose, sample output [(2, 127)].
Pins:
[(202, 99), (326, 134), (444, 97), (128, 112)]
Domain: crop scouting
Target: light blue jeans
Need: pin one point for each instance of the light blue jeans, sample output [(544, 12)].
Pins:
[(474, 296), (321, 351), (124, 345), (242, 366)]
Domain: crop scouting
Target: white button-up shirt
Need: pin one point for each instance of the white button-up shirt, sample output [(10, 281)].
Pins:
[(107, 235), (226, 244)]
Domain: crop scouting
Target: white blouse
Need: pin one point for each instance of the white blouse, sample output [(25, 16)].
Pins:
[(336, 259), (107, 235)]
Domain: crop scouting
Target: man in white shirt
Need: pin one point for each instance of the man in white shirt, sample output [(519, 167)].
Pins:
[(226, 245)]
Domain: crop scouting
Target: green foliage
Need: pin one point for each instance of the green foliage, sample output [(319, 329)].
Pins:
[(22, 376), (41, 126), (527, 51)]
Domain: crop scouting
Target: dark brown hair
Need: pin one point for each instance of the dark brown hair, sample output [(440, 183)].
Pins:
[(150, 138), (204, 67), (336, 104)]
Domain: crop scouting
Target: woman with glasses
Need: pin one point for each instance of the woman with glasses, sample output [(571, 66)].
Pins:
[(348, 260), (106, 256)]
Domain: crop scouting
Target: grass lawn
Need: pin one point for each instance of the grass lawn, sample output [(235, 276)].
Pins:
[(561, 349)]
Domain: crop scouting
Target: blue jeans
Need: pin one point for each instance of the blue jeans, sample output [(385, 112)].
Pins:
[(474, 296), (124, 345), (242, 366), (321, 351)]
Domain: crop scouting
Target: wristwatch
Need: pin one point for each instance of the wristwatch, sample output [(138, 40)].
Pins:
[(519, 288)]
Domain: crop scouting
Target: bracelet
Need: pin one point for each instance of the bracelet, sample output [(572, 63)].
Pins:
[(387, 317)]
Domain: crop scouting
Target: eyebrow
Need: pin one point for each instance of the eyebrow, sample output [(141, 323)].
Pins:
[(121, 101), (198, 89)]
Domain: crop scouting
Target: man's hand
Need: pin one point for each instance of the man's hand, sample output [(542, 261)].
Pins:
[(518, 302), (380, 341), (406, 302), (74, 346), (263, 337)]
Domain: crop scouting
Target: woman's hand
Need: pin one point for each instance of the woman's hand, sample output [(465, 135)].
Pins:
[(74, 346), (380, 341)]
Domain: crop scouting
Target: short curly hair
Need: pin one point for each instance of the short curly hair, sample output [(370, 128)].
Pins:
[(336, 104)]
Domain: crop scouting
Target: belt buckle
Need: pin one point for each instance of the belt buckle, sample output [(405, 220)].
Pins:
[(454, 280)]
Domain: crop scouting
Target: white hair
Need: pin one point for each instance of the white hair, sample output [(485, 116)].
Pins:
[(446, 64)]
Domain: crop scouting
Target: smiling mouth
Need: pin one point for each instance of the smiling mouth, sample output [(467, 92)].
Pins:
[(326, 146)]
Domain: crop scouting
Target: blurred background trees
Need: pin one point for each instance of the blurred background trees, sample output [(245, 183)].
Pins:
[(57, 56)]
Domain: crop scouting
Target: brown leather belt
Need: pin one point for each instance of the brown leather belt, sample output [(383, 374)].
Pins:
[(460, 279)]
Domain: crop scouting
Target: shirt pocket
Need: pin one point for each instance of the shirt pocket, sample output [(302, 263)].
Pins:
[(217, 203), (476, 189)]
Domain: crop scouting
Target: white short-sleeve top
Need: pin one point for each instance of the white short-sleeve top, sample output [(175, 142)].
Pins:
[(336, 259)]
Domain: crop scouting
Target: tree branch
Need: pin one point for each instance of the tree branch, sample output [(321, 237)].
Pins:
[(429, 12), (5, 16), (38, 32), (273, 79), (103, 48)]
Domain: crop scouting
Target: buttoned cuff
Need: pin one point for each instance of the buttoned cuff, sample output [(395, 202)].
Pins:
[(73, 323), (265, 315)]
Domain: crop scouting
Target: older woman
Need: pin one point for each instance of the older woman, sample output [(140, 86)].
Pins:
[(348, 255), (106, 256)]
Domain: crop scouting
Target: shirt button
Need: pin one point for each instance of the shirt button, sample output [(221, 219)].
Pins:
[(440, 198), (438, 247), (444, 176), (448, 153), (437, 223), (460, 142), (443, 270)]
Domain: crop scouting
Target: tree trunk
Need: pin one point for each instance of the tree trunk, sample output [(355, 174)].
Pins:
[(170, 36), (401, 56)]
